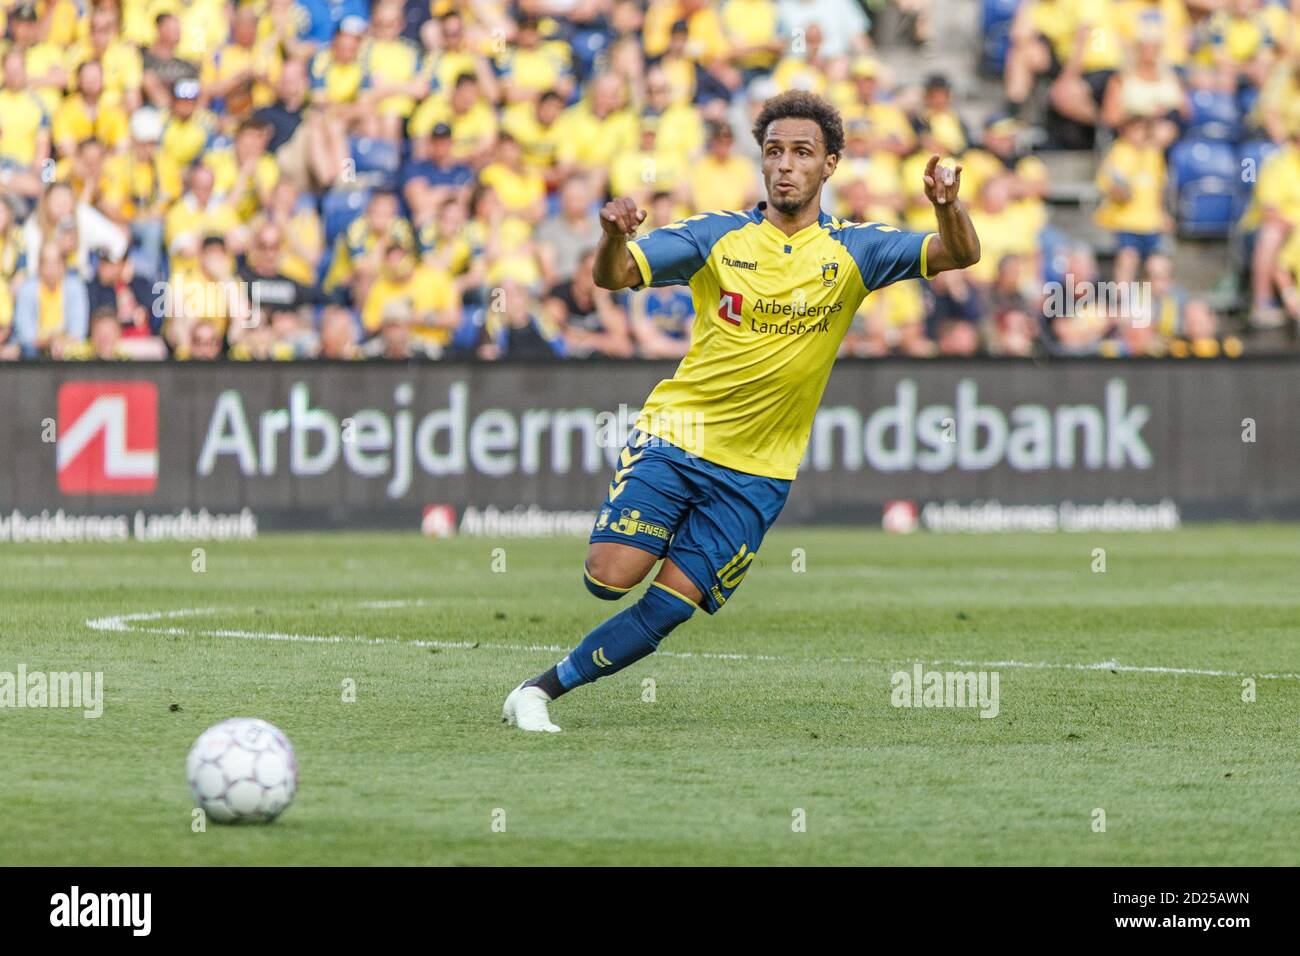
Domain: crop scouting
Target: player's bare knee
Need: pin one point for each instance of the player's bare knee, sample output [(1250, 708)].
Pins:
[(602, 588), (609, 577)]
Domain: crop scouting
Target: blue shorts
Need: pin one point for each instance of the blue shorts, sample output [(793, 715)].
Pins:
[(707, 519), (1146, 244)]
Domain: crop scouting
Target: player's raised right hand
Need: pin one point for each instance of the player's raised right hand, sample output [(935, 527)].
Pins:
[(620, 218)]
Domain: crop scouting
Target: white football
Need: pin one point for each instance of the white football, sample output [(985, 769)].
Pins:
[(242, 770)]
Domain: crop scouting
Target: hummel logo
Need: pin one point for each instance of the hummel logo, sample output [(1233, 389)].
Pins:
[(740, 263), (599, 659)]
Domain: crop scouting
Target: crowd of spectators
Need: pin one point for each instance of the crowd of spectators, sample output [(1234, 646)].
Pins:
[(416, 179), (1177, 86)]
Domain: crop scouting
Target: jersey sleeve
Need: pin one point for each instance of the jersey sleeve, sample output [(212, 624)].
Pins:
[(885, 255), (671, 254)]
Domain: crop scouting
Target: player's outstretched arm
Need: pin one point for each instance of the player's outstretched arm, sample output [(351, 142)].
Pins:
[(957, 246), (614, 267)]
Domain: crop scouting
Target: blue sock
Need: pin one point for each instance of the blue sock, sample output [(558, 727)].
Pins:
[(626, 637)]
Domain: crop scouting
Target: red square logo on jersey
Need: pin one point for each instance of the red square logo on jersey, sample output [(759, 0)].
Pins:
[(108, 438), (729, 307)]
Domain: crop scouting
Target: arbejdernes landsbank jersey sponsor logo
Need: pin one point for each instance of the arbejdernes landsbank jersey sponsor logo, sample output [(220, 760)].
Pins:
[(800, 317)]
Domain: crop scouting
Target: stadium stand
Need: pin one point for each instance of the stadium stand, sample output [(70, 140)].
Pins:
[(399, 179)]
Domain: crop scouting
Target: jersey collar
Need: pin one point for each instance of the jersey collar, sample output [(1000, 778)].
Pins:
[(823, 221)]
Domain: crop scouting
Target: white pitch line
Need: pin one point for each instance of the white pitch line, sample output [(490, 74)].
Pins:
[(125, 623), (120, 622)]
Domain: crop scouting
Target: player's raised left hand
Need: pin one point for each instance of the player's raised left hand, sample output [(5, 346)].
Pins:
[(620, 217), (941, 182)]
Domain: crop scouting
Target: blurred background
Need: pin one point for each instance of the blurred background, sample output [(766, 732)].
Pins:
[(406, 179)]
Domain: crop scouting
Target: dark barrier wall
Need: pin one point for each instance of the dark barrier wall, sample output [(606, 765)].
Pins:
[(374, 445)]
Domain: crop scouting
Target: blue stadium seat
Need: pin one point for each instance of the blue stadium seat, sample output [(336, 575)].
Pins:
[(1207, 207), (1214, 116), (1193, 158), (995, 12), (1240, 200), (1247, 97), (378, 162), (471, 325), (1054, 246), (996, 46), (376, 155), (995, 34), (339, 207), (587, 45)]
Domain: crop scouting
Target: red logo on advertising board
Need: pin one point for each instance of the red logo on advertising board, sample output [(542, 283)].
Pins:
[(729, 307), (107, 438), (439, 521), (899, 516)]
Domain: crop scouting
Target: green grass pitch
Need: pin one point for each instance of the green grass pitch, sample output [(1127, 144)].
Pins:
[(792, 719)]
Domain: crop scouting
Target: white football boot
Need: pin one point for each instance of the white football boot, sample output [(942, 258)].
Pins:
[(525, 708)]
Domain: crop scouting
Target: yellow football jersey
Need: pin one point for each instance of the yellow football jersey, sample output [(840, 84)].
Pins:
[(429, 290), (1143, 171), (770, 310), (730, 183), (590, 141), (1275, 188), (24, 117), (391, 63), (539, 143), (518, 192), (471, 130), (75, 121), (334, 82), (751, 23)]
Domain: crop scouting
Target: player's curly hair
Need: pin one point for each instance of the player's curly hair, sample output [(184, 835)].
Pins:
[(800, 104)]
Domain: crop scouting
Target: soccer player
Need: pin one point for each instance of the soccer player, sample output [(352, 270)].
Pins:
[(709, 463)]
